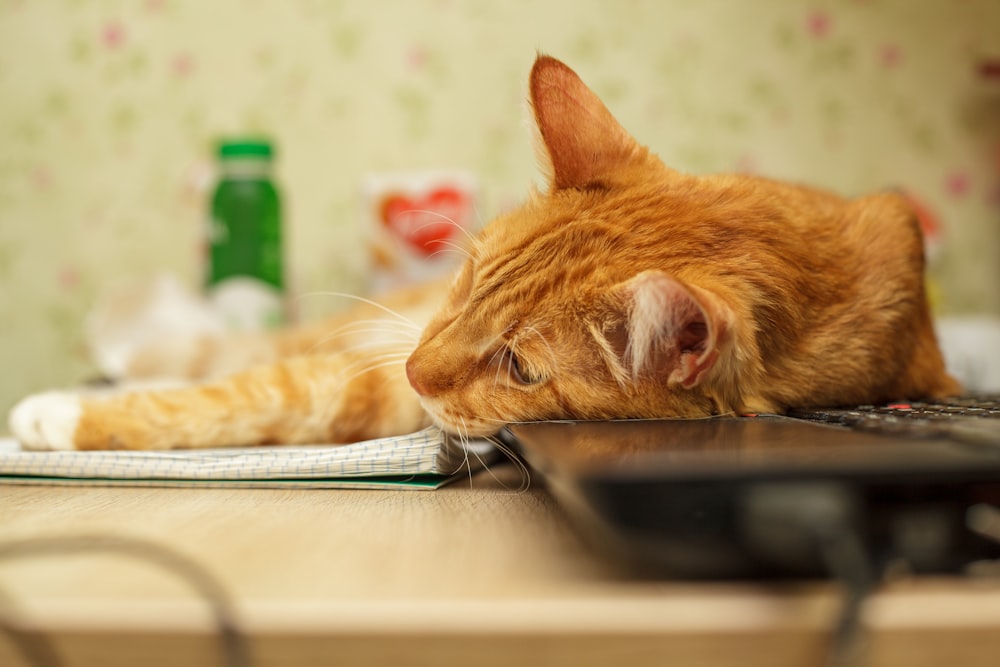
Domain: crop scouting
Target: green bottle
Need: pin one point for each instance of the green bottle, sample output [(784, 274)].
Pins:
[(245, 277)]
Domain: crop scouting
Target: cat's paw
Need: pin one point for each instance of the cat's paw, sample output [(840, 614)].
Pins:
[(46, 421)]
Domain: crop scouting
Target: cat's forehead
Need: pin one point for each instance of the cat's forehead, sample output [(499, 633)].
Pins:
[(572, 245), (584, 230), (533, 270), (566, 222)]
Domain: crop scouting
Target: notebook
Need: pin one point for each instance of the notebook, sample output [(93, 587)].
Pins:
[(426, 459), (908, 485)]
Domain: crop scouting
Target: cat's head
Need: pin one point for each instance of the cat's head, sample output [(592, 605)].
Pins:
[(562, 310)]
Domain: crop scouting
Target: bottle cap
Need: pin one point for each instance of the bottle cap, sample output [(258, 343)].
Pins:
[(245, 148)]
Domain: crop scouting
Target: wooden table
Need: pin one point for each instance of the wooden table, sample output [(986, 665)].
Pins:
[(477, 573)]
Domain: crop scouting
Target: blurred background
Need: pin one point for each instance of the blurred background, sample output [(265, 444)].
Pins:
[(110, 109)]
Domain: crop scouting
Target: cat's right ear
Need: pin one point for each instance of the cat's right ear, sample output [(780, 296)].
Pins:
[(668, 328), (579, 142)]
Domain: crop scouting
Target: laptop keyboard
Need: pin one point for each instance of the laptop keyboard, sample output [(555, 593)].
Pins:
[(969, 418)]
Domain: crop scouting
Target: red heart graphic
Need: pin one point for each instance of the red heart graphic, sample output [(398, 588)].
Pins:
[(426, 222)]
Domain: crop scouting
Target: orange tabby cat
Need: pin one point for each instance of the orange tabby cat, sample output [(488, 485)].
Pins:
[(627, 289)]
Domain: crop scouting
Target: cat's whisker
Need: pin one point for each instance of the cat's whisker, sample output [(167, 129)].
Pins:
[(496, 376), (351, 374), (463, 437), (363, 347), (379, 324), (497, 420), (388, 338), (451, 248), (375, 334), (441, 217), (375, 304), (509, 454), (370, 369), (398, 343), (373, 367), (378, 358), (395, 334)]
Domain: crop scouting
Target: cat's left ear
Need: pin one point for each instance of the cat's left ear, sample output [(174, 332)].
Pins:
[(581, 144), (670, 328)]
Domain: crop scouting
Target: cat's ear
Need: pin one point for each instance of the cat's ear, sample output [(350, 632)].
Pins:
[(579, 142), (670, 328)]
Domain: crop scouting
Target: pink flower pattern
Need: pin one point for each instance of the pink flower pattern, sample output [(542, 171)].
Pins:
[(183, 65), (68, 277), (818, 24), (890, 56), (113, 35), (958, 184)]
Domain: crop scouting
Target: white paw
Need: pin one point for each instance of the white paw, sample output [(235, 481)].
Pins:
[(46, 421)]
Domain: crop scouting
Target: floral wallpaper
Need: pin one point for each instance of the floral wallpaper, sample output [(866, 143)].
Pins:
[(109, 110)]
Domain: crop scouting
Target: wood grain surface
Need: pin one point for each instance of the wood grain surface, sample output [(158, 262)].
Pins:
[(477, 573)]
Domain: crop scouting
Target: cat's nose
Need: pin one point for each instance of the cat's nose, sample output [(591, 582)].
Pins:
[(414, 378), (429, 374)]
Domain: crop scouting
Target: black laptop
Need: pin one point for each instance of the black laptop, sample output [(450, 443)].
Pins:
[(911, 486)]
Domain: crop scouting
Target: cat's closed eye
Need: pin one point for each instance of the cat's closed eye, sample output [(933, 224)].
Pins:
[(519, 372)]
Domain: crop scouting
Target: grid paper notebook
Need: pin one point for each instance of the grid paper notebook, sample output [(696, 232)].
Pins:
[(426, 459)]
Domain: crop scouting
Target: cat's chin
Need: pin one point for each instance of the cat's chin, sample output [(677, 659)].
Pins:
[(469, 428), (462, 426)]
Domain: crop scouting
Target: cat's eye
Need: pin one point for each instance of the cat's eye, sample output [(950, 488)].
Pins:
[(519, 372)]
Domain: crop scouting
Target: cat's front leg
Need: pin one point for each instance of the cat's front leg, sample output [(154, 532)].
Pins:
[(321, 399)]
